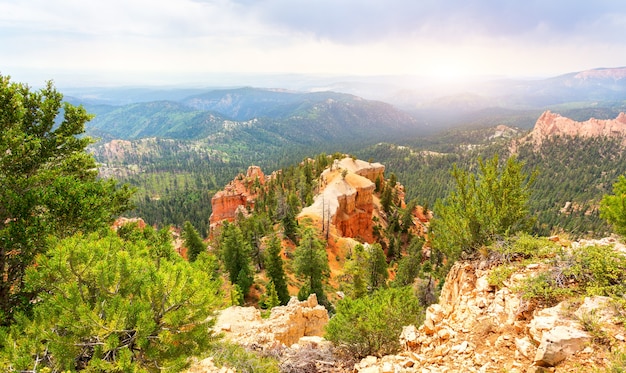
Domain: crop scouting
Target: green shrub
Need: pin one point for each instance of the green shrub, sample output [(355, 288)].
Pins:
[(592, 270), (528, 246), (599, 270), (372, 324), (498, 275), (241, 360), (544, 289), (109, 305)]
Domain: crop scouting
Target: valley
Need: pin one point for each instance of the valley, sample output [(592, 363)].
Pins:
[(329, 222), (180, 152)]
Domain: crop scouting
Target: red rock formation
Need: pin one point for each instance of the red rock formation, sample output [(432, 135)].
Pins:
[(353, 217), (123, 221), (238, 195), (551, 124), (347, 198)]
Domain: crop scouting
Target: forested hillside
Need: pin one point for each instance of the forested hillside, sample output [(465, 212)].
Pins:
[(176, 175), (572, 176)]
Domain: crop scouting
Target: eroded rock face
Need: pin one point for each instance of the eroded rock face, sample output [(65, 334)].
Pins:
[(347, 197), (286, 324), (551, 124), (237, 196)]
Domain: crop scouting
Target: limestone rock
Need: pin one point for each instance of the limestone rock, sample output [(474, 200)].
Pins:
[(286, 324), (347, 199), (559, 343)]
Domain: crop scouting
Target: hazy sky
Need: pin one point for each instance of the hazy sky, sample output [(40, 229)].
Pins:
[(179, 41)]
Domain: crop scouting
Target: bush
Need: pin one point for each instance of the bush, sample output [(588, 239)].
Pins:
[(241, 360), (592, 270), (108, 304), (371, 325), (483, 208)]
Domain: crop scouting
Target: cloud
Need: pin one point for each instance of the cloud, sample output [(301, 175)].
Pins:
[(164, 37), (355, 21)]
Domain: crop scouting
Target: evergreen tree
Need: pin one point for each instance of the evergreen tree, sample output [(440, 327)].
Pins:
[(290, 208), (354, 282), (48, 183), (376, 267), (311, 265), (272, 296), (193, 242), (409, 266), (235, 253), (613, 206), (484, 207), (275, 271), (106, 304)]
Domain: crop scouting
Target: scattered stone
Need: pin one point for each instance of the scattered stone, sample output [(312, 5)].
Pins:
[(525, 347)]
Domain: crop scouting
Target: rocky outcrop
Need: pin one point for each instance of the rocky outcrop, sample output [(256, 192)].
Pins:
[(237, 196), (347, 197), (551, 124), (141, 224), (286, 325), (476, 327)]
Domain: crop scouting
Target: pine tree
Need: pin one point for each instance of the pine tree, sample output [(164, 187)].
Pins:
[(376, 267), (409, 266), (613, 206), (235, 253), (107, 304), (275, 271), (484, 207), (193, 242), (48, 183), (355, 278), (272, 296), (311, 265)]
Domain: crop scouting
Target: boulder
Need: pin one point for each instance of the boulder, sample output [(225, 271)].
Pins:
[(286, 324), (559, 343)]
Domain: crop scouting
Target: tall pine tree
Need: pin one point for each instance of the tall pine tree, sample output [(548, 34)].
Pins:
[(311, 265), (274, 269), (193, 242), (235, 253)]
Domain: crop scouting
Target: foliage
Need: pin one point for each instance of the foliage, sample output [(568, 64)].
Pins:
[(109, 304), (371, 325), (592, 270), (484, 207), (498, 275), (235, 254), (241, 360), (365, 271), (544, 288), (597, 270), (275, 271), (271, 296), (192, 241), (410, 266), (311, 265), (613, 206), (48, 183)]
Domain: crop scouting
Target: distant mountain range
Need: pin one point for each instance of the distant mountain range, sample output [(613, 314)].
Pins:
[(388, 109), (266, 116)]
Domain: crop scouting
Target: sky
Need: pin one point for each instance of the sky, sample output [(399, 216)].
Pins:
[(125, 42)]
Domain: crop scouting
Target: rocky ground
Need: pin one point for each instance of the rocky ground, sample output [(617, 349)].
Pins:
[(476, 327)]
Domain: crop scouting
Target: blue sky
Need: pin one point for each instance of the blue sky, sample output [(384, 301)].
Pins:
[(181, 41)]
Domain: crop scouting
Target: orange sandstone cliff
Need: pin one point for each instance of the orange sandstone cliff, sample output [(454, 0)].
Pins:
[(551, 124), (346, 198), (238, 195)]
